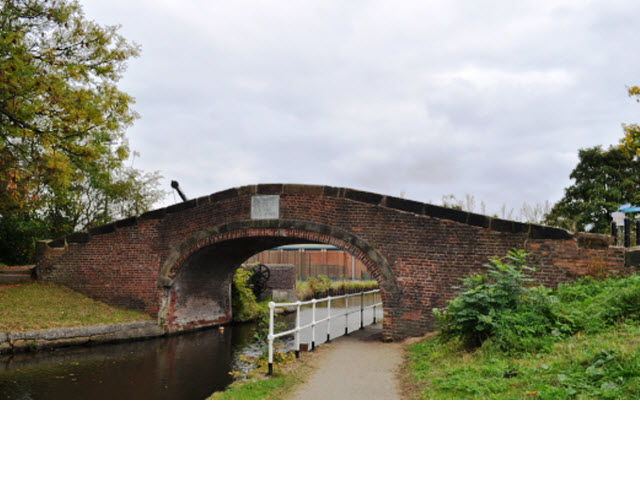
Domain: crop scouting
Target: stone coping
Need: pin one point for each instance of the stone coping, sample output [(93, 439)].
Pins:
[(11, 342), (409, 206)]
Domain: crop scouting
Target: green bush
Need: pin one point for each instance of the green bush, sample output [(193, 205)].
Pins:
[(498, 306), (592, 305), (244, 304)]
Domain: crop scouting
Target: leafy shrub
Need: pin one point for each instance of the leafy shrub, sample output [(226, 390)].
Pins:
[(498, 306), (244, 305), (592, 305)]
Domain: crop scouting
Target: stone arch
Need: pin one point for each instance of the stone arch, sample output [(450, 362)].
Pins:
[(196, 276)]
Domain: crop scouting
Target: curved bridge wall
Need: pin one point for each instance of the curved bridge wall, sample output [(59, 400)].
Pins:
[(176, 263)]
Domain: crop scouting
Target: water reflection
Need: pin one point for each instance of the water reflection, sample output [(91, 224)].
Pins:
[(189, 366)]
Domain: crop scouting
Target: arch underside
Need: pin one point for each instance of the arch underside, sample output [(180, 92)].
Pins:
[(195, 281)]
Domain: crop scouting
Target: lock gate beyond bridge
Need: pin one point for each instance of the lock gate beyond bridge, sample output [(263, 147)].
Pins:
[(177, 263)]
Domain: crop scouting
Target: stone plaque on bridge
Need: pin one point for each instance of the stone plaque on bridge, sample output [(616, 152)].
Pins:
[(265, 207)]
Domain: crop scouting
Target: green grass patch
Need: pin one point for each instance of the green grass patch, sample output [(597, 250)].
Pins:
[(322, 286), (286, 377), (500, 340), (585, 366), (41, 306)]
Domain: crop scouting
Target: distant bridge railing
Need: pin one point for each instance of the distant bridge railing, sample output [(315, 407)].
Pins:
[(357, 307)]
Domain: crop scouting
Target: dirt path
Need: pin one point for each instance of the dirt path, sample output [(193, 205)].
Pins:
[(357, 367)]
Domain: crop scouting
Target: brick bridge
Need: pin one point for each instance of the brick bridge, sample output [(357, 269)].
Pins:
[(176, 263)]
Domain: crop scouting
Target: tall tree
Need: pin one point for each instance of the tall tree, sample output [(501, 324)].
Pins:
[(631, 139), (63, 123), (603, 180)]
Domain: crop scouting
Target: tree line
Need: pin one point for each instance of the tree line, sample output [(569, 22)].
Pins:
[(63, 148)]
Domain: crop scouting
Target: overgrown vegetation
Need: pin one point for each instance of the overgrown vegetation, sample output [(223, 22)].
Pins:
[(245, 306), (497, 306), (40, 306), (257, 386), (63, 120), (500, 339), (322, 286)]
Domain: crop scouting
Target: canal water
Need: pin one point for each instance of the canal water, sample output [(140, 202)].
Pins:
[(188, 366)]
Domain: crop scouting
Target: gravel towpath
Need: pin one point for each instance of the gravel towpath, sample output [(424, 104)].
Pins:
[(356, 367)]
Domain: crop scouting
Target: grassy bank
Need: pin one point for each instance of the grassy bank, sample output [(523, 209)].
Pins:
[(585, 366), (580, 341), (41, 306), (288, 374), (322, 286)]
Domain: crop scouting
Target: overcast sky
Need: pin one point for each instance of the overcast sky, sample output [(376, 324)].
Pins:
[(487, 98)]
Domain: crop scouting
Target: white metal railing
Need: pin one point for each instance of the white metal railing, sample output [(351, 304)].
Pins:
[(361, 307)]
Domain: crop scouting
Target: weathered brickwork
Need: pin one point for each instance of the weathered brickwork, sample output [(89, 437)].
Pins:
[(281, 286), (176, 263)]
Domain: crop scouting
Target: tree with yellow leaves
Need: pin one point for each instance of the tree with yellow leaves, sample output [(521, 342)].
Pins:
[(62, 125), (631, 139)]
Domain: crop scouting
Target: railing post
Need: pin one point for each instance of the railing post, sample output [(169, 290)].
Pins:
[(362, 310), (329, 319), (297, 329), (313, 324), (270, 337), (346, 314), (374, 306)]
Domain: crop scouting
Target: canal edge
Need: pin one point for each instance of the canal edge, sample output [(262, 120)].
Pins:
[(13, 342)]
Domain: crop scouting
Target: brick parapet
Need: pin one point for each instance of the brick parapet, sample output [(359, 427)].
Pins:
[(418, 252)]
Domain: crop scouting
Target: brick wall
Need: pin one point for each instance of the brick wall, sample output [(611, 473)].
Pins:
[(176, 263), (281, 286)]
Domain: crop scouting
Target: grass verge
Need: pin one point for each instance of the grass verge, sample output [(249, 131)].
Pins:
[(585, 366), (280, 386), (42, 306), (585, 344), (322, 286)]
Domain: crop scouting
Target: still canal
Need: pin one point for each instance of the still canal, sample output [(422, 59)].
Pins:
[(181, 367)]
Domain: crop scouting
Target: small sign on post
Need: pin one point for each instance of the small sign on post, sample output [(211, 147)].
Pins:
[(618, 217)]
